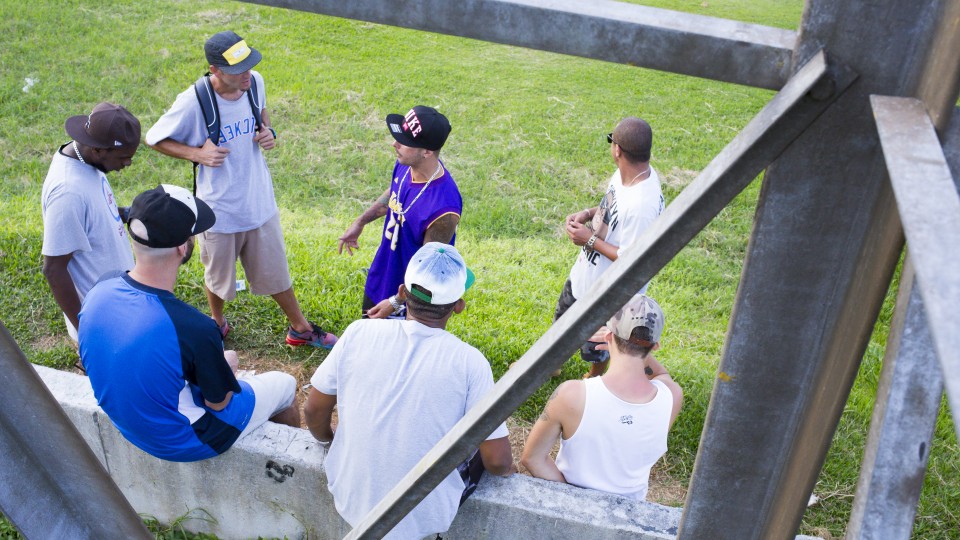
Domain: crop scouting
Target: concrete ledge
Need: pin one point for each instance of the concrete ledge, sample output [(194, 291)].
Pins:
[(272, 484)]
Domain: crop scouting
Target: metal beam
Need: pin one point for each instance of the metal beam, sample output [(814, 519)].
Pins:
[(901, 429), (930, 211), (825, 242), (51, 483), (804, 98), (665, 40)]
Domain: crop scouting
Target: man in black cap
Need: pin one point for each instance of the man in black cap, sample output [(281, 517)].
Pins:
[(422, 204), (157, 365), (83, 234), (234, 179)]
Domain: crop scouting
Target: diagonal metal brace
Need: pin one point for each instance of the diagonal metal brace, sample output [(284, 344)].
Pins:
[(807, 95), (929, 209), (662, 39), (51, 484)]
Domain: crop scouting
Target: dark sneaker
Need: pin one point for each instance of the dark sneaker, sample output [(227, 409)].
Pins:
[(315, 337)]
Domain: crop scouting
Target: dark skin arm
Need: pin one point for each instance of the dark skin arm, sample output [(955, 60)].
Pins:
[(62, 286), (497, 457), (318, 412)]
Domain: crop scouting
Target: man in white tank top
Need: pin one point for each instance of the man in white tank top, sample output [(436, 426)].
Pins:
[(628, 410)]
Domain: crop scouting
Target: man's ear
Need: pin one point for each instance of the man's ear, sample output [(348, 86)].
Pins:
[(402, 293), (459, 306), (655, 346)]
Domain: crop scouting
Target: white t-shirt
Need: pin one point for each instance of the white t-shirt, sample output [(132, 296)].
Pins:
[(617, 442), (80, 216), (240, 191), (400, 387), (624, 213)]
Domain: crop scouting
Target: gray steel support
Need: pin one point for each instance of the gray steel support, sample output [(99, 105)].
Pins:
[(642, 36), (51, 483), (904, 415), (908, 396), (825, 241), (930, 211), (804, 97)]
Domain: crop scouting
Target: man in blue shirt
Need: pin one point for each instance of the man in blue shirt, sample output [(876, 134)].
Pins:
[(157, 365)]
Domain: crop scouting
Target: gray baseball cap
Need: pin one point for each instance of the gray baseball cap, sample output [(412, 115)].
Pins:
[(642, 312)]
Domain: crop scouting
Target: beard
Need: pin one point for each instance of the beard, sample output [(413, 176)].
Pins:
[(188, 254)]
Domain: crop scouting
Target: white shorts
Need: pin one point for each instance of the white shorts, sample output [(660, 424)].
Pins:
[(274, 392)]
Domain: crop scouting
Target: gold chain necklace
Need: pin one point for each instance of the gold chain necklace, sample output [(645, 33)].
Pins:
[(436, 174)]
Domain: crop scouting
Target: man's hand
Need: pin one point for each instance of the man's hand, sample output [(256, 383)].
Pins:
[(578, 233), (582, 216), (381, 311), (265, 138), (349, 238), (211, 155)]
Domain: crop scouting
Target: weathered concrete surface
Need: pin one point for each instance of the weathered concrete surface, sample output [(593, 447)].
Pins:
[(272, 484)]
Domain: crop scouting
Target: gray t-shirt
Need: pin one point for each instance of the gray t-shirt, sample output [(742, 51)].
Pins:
[(400, 386), (80, 217), (240, 191)]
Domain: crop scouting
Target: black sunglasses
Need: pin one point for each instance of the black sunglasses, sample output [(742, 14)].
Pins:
[(610, 138)]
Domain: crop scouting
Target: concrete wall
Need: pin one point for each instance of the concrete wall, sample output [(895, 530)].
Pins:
[(271, 484)]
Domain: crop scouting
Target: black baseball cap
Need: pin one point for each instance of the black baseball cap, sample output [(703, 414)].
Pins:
[(170, 215), (422, 127), (108, 126), (230, 53)]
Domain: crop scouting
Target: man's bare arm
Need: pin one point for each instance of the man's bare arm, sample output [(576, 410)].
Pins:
[(62, 286), (376, 211), (319, 412), (442, 229), (544, 434), (497, 456), (209, 154)]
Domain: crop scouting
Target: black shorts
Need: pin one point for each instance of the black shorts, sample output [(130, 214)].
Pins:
[(588, 351)]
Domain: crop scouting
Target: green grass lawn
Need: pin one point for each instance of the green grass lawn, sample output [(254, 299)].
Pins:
[(527, 148)]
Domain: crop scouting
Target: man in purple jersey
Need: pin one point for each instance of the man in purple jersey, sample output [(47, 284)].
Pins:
[(422, 204)]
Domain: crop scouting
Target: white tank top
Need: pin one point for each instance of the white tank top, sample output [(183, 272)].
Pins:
[(617, 442)]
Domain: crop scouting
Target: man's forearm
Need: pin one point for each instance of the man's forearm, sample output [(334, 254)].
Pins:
[(176, 149), (376, 210), (62, 286)]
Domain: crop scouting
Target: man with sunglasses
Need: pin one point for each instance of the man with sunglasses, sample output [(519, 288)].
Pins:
[(632, 201)]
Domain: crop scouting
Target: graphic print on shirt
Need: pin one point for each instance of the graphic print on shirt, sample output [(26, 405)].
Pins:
[(394, 219), (605, 221), (241, 127), (112, 205)]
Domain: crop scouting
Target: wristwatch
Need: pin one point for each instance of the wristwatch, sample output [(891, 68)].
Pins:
[(395, 304), (591, 242)]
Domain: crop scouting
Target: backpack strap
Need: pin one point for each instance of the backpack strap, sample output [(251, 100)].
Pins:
[(211, 115), (254, 97)]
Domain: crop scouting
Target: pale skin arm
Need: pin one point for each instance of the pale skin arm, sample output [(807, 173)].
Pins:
[(264, 137), (660, 374), (62, 286), (559, 412), (209, 155), (318, 412), (441, 230), (376, 211)]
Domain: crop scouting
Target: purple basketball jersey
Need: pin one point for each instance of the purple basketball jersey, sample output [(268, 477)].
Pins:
[(411, 210)]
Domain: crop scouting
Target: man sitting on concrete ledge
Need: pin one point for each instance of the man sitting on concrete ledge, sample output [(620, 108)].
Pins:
[(157, 365), (399, 386), (613, 428)]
